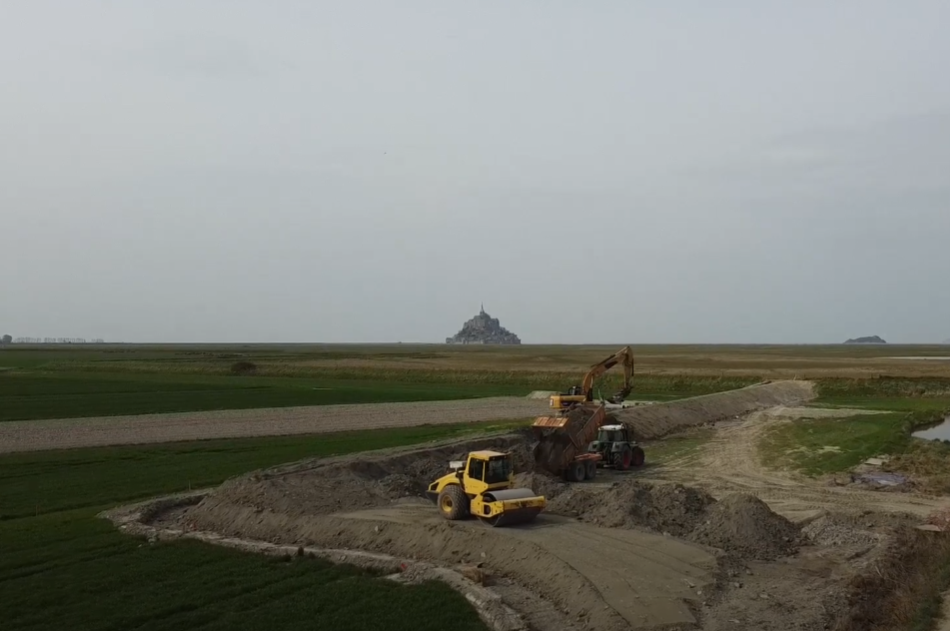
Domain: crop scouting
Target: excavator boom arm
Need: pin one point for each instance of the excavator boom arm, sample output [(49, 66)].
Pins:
[(623, 356)]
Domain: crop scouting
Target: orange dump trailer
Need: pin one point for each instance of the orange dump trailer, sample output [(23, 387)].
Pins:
[(563, 441)]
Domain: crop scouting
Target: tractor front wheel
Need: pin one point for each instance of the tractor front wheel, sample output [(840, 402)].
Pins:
[(453, 503), (638, 457)]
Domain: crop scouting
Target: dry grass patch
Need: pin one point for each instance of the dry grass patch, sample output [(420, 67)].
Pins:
[(902, 590)]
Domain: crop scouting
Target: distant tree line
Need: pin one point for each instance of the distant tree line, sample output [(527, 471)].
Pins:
[(51, 340)]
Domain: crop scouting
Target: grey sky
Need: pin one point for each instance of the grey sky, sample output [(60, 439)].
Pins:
[(612, 171)]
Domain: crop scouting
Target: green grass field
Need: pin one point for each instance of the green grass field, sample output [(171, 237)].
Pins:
[(28, 396), (821, 446), (62, 568), (903, 394), (80, 382)]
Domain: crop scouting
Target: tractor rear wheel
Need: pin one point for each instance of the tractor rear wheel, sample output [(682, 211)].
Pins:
[(590, 470), (638, 457), (624, 459), (453, 503)]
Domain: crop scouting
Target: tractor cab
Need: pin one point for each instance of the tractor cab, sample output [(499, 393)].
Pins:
[(617, 447), (613, 434), (566, 400)]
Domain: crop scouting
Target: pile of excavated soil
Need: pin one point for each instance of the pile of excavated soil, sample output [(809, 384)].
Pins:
[(670, 509), (739, 524), (542, 484), (746, 527), (655, 421), (321, 487)]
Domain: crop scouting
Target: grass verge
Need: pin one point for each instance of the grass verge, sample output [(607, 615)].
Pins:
[(821, 446), (904, 394), (63, 568), (677, 446)]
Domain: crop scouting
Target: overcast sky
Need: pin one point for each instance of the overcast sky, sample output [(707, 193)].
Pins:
[(608, 171)]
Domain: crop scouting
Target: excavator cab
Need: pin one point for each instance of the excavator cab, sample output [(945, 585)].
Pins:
[(481, 486), (566, 400)]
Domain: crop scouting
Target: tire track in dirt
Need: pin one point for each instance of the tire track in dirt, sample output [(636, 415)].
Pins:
[(731, 463), (18, 436)]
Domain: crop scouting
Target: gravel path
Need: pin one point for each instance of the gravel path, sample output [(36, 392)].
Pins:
[(159, 428)]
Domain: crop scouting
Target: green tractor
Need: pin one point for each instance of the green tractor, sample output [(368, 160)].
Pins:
[(617, 448)]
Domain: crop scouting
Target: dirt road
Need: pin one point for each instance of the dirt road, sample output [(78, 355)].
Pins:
[(643, 578), (159, 428), (730, 463)]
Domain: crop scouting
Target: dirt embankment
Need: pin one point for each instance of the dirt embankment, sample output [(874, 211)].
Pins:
[(634, 555), (655, 421), (160, 428)]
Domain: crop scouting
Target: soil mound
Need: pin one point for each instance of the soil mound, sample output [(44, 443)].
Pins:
[(542, 484), (669, 509), (741, 525), (744, 525)]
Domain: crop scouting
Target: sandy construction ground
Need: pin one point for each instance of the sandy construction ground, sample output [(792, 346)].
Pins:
[(159, 428), (714, 540), (643, 578), (730, 463)]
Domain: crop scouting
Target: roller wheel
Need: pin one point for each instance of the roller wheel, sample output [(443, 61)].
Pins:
[(453, 503), (624, 459), (590, 470), (638, 457), (575, 472)]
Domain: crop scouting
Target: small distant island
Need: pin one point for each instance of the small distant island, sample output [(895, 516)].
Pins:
[(483, 329), (872, 339)]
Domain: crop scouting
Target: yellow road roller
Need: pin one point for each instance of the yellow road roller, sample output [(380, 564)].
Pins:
[(481, 486)]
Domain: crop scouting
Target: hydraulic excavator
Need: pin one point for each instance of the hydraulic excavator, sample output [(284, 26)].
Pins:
[(584, 393), (566, 441)]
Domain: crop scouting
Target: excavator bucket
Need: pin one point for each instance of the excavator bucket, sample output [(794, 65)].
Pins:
[(517, 506)]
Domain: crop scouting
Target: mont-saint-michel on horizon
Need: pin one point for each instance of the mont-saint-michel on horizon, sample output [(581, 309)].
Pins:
[(483, 329)]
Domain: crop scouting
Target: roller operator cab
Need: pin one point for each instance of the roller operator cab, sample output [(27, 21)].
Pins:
[(481, 486)]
